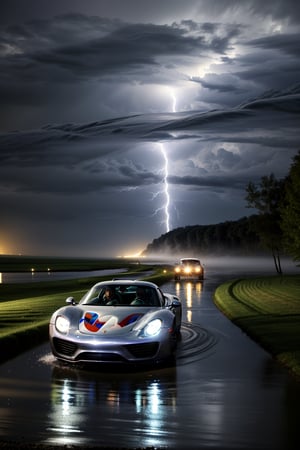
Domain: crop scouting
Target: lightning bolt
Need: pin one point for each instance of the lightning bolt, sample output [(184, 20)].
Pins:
[(174, 101), (166, 171), (166, 186), (165, 191)]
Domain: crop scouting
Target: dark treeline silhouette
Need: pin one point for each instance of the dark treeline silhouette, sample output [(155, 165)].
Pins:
[(230, 237)]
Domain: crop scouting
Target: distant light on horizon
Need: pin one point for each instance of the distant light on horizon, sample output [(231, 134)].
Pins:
[(137, 254)]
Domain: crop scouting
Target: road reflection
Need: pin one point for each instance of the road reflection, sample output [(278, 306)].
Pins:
[(83, 402), (190, 291)]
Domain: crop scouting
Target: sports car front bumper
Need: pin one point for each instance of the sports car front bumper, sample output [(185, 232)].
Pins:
[(81, 349)]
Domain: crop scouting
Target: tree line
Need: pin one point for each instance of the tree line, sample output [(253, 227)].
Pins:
[(230, 237), (274, 229), (278, 205)]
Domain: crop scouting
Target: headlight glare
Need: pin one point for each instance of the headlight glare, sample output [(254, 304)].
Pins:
[(153, 327), (62, 324)]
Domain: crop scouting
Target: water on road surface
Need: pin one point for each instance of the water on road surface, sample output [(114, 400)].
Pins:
[(224, 391)]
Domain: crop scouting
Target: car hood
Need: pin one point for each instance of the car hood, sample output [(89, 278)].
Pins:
[(110, 320)]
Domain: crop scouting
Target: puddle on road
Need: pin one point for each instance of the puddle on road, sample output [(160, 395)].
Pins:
[(195, 343)]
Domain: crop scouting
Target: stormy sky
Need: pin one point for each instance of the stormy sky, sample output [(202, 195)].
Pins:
[(123, 119)]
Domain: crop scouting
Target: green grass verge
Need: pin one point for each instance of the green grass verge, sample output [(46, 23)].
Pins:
[(25, 309), (268, 310)]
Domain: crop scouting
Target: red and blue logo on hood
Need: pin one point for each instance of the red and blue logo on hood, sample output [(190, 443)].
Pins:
[(93, 321)]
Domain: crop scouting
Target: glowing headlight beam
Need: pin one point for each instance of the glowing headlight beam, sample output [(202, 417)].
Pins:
[(153, 327), (62, 324)]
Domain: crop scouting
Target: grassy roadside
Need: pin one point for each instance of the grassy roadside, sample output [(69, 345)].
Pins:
[(25, 308), (268, 310)]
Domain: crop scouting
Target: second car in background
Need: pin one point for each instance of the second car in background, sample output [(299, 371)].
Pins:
[(189, 268)]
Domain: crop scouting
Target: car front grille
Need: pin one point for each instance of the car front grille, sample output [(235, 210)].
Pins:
[(64, 347), (100, 357), (140, 351), (143, 350)]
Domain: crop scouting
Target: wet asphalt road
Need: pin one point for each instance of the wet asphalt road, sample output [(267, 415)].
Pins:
[(224, 392)]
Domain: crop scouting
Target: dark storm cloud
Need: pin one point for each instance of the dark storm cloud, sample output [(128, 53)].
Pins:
[(63, 61), (285, 43), (277, 9), (127, 49), (72, 143), (89, 46), (91, 153), (208, 181), (215, 86)]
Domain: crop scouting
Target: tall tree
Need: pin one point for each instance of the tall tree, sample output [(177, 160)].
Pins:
[(266, 197), (290, 211)]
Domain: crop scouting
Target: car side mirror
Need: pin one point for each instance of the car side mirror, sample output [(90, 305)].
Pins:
[(70, 301), (176, 303)]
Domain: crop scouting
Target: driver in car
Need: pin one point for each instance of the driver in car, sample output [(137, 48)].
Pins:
[(110, 297), (141, 297)]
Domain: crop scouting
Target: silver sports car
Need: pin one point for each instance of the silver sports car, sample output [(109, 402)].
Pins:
[(118, 321)]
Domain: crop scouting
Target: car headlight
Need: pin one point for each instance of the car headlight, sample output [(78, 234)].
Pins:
[(62, 324), (177, 269), (153, 327)]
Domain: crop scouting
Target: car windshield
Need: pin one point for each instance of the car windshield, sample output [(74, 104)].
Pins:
[(187, 262), (121, 295)]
